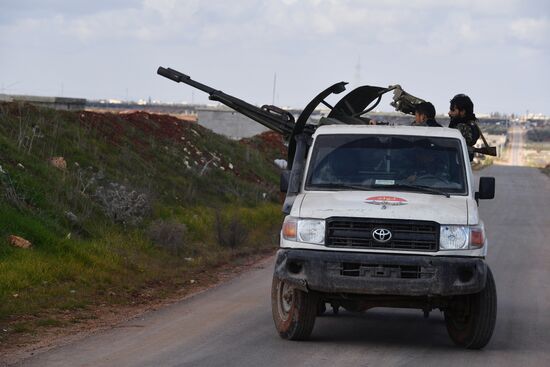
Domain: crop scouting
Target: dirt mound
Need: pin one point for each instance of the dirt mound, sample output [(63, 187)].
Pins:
[(268, 142), (160, 126), (116, 125)]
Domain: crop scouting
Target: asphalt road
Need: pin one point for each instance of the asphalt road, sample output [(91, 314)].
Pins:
[(517, 139), (231, 325)]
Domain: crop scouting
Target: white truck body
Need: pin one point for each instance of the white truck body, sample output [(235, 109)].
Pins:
[(456, 210), (366, 229)]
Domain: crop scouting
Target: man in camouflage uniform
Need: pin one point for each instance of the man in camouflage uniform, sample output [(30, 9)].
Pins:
[(463, 118)]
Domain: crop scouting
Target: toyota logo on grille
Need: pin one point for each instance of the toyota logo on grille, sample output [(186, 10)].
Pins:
[(381, 235)]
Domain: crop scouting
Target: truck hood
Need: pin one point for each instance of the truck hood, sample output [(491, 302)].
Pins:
[(386, 204)]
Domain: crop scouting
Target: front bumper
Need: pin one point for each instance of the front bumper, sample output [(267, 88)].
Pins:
[(380, 274)]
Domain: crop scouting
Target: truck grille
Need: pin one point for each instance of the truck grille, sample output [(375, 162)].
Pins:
[(405, 234), (385, 271)]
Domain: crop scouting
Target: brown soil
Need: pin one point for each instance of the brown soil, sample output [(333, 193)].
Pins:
[(268, 142), (114, 125)]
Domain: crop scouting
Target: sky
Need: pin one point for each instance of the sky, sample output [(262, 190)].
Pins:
[(496, 51)]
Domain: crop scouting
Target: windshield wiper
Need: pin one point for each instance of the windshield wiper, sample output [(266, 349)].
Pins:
[(419, 188), (335, 186)]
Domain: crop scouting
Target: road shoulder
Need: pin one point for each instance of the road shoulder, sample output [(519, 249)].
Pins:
[(106, 317)]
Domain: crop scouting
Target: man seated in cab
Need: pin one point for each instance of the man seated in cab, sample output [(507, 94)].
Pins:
[(425, 165)]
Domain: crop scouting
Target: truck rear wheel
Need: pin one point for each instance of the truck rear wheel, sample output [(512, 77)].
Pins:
[(293, 310), (471, 319)]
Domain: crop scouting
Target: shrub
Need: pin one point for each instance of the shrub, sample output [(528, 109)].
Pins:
[(230, 230), (9, 191), (123, 205), (169, 235), (539, 134)]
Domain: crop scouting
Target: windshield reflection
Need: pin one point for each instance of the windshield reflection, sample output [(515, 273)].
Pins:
[(344, 162)]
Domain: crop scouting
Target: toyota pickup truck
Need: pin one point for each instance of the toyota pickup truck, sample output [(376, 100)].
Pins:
[(377, 216), (386, 216)]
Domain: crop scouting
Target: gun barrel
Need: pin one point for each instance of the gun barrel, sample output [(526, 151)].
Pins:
[(269, 116), (170, 74), (182, 78)]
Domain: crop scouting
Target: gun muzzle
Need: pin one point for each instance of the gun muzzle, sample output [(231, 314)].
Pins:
[(172, 74)]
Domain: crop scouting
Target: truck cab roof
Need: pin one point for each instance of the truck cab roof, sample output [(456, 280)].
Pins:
[(443, 132)]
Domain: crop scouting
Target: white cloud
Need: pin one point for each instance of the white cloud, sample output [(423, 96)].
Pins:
[(534, 31), (467, 32), (392, 22), (310, 41)]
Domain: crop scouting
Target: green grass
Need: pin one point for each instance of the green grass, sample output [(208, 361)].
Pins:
[(485, 162), (70, 273), (75, 265), (48, 322), (22, 327)]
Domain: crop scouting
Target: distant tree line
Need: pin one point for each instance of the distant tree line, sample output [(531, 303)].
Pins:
[(539, 134), (494, 129)]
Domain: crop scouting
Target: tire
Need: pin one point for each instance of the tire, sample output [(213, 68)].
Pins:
[(471, 319), (294, 311)]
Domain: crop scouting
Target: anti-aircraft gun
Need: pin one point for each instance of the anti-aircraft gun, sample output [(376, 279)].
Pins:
[(351, 110)]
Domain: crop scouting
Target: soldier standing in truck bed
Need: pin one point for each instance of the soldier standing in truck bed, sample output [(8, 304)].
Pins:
[(463, 118), (424, 115)]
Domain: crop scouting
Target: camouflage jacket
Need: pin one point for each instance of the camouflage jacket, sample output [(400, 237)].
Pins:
[(468, 129)]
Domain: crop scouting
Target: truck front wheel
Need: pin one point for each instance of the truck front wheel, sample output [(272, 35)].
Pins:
[(471, 319), (293, 310)]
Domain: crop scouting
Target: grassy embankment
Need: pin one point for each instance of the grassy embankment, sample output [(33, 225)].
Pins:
[(143, 200), (537, 149)]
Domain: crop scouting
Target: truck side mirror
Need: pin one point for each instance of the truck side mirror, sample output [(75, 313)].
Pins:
[(285, 178), (486, 188)]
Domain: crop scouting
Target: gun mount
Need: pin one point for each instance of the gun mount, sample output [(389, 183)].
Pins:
[(349, 110)]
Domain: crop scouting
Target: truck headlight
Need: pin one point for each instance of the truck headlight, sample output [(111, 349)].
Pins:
[(304, 230), (461, 237)]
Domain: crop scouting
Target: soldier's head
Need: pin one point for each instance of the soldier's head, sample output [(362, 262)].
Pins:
[(461, 106), (423, 111)]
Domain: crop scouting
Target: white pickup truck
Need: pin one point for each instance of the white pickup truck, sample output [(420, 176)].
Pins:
[(386, 216), (377, 215)]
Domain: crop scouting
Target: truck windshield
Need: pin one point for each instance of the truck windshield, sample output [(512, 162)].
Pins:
[(386, 162)]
